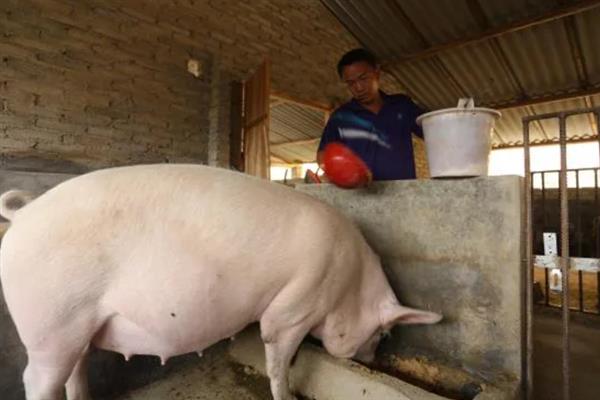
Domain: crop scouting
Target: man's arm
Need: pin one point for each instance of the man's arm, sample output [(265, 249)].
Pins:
[(320, 158)]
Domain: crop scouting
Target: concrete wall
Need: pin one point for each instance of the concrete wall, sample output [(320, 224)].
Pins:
[(455, 247)]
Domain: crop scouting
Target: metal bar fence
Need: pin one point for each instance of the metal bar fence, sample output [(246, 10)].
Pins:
[(586, 226), (563, 261)]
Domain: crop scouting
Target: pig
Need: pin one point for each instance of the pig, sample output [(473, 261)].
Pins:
[(169, 259)]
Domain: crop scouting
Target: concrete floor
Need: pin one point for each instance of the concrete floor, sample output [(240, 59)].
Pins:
[(217, 377), (585, 357)]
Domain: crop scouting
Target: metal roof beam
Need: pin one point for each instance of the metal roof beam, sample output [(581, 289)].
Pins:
[(550, 98), (545, 142), (552, 15)]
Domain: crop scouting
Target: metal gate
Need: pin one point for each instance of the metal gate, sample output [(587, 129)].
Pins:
[(584, 230), (561, 259)]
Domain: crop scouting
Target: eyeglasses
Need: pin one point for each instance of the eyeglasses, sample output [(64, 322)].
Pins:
[(363, 78)]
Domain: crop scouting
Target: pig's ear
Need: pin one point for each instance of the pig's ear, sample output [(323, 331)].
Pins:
[(394, 314)]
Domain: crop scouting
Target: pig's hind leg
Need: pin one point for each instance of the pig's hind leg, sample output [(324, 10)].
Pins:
[(47, 372), (57, 355)]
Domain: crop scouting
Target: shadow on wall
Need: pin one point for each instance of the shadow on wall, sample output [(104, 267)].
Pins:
[(20, 162)]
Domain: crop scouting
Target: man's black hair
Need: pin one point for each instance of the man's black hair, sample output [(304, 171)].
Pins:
[(356, 55)]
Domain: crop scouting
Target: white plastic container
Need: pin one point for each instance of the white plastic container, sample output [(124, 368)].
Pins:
[(458, 140)]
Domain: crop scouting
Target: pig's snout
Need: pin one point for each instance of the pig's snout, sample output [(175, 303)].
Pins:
[(365, 358), (366, 352)]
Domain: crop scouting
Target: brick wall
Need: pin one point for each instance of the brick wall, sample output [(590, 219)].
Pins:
[(102, 83), (94, 86), (302, 38)]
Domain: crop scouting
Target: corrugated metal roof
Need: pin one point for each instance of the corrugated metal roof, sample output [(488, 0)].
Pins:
[(537, 61), (541, 58), (292, 122), (372, 25), (439, 21), (296, 153), (501, 12), (579, 127), (486, 80), (588, 27)]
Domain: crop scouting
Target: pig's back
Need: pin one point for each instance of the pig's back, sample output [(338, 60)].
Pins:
[(172, 191), (195, 204)]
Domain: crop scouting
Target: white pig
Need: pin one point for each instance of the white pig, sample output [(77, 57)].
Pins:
[(170, 259)]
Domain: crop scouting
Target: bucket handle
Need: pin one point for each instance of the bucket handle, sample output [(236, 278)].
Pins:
[(466, 102)]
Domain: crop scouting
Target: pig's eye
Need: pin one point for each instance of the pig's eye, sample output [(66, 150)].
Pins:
[(385, 334)]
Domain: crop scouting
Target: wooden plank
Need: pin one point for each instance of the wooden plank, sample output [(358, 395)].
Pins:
[(236, 159)]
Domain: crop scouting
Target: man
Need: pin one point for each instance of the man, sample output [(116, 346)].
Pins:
[(374, 125)]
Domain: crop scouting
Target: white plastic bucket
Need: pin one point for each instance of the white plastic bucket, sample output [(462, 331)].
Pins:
[(458, 140)]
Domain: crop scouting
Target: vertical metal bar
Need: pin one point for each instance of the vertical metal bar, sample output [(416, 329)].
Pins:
[(597, 114), (528, 370), (564, 248), (545, 222), (580, 290), (597, 236), (578, 239)]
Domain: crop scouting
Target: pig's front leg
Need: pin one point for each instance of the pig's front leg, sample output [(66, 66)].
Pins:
[(279, 350)]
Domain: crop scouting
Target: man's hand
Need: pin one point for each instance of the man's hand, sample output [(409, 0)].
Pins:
[(320, 159)]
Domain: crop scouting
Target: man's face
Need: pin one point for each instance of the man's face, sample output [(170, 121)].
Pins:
[(362, 81)]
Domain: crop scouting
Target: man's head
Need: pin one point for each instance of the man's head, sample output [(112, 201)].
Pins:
[(359, 70)]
